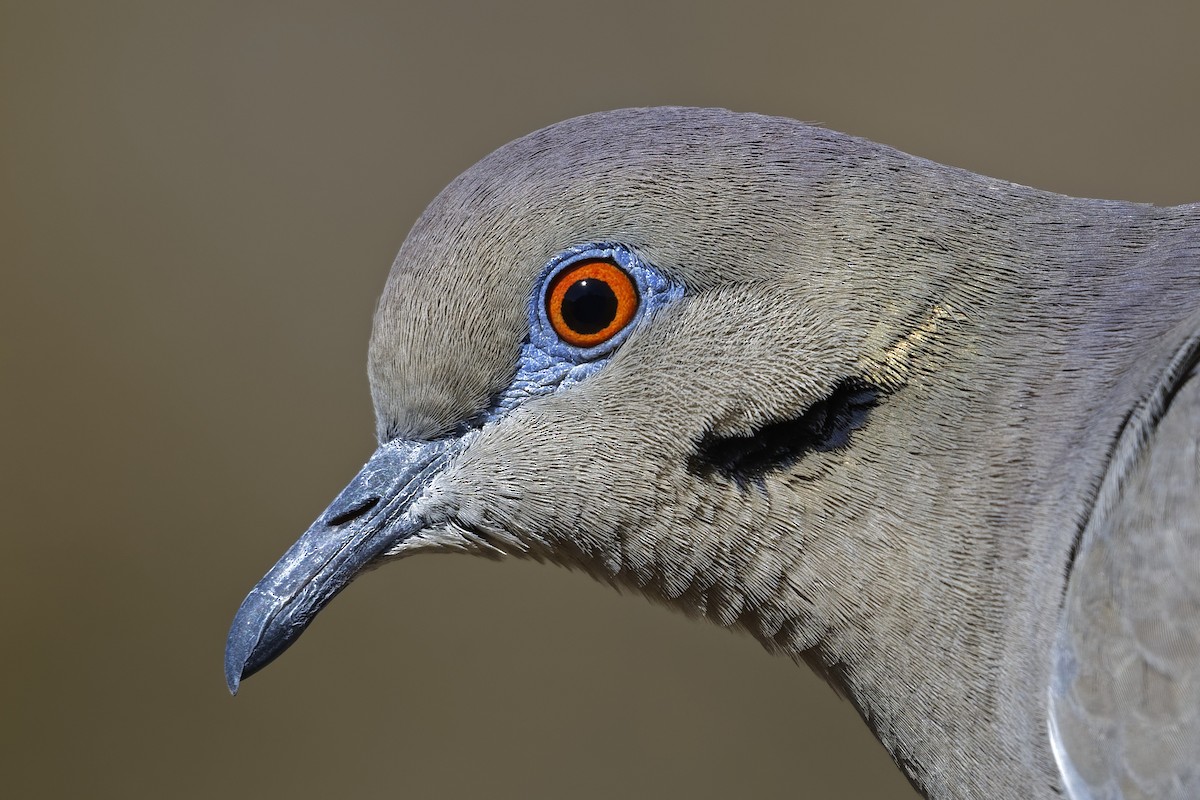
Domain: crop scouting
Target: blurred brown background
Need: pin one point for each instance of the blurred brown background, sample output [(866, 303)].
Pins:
[(198, 205)]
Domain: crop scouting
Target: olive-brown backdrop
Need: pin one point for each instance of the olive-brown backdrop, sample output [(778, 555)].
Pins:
[(198, 205)]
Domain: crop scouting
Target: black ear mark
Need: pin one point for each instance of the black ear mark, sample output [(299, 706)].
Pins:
[(825, 425)]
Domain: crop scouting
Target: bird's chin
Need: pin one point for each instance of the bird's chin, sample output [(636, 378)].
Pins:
[(451, 538)]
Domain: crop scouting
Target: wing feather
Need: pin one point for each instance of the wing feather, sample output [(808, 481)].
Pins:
[(1125, 693)]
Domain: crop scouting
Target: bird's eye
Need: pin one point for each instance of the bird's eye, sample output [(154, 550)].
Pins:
[(590, 302)]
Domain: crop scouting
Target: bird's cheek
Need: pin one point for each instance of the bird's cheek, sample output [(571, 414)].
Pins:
[(472, 508)]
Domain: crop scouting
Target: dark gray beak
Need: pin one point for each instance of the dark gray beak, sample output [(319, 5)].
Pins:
[(368, 518)]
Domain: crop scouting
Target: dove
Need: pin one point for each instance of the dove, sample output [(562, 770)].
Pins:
[(933, 434)]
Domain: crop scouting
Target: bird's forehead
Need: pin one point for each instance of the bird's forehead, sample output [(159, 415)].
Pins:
[(454, 310)]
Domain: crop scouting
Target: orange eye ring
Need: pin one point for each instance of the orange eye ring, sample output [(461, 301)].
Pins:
[(590, 302)]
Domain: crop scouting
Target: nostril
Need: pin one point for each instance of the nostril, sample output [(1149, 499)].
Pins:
[(356, 508)]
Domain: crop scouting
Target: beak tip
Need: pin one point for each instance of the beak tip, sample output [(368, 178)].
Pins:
[(233, 670), (233, 676), (245, 635)]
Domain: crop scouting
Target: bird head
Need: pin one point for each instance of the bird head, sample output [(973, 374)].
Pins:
[(652, 344)]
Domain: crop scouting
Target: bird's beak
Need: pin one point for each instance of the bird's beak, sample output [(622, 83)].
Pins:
[(369, 517)]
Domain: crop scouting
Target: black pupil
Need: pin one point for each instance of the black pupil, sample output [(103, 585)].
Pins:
[(589, 306)]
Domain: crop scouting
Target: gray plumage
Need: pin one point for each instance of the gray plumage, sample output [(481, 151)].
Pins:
[(992, 513)]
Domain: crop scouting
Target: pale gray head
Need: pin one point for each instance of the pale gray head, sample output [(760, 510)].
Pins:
[(820, 390)]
